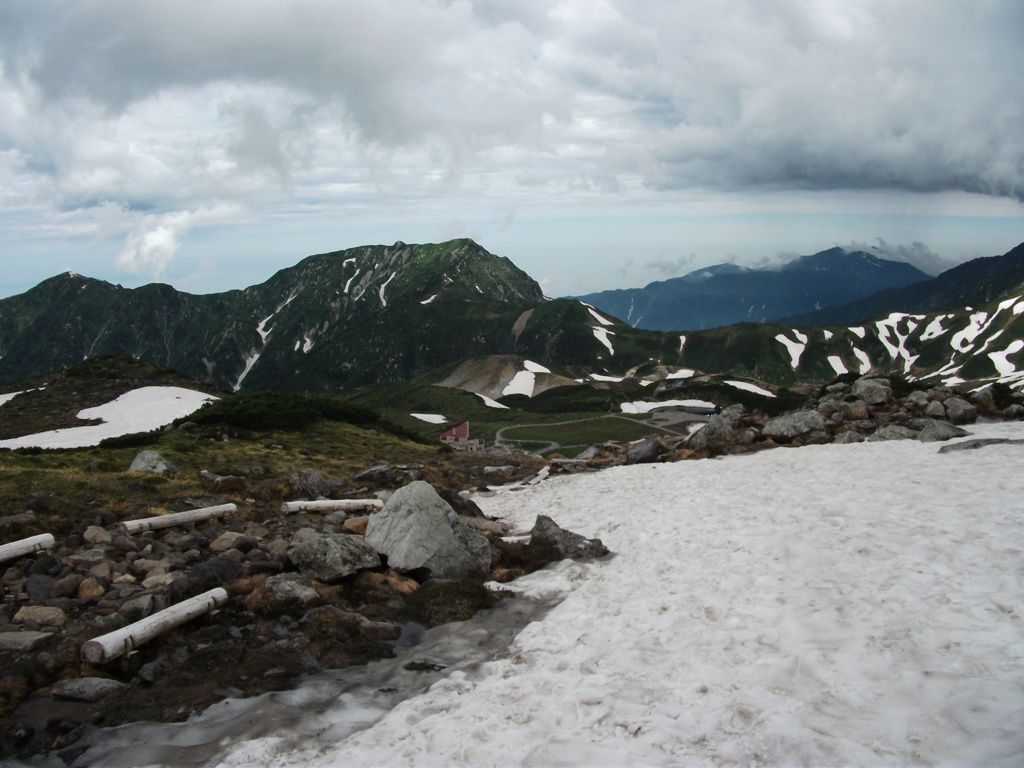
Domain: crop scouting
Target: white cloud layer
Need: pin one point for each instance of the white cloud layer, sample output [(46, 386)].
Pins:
[(315, 106)]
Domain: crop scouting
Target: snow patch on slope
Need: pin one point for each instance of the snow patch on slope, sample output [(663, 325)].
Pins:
[(139, 410), (1004, 366), (430, 418), (602, 334), (491, 403), (795, 348), (522, 384), (643, 406), (748, 387)]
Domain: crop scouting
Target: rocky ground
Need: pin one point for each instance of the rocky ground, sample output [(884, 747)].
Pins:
[(300, 599), (312, 590)]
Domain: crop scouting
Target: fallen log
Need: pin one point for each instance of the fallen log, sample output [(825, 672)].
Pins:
[(110, 646), (330, 505), (26, 546), (178, 518)]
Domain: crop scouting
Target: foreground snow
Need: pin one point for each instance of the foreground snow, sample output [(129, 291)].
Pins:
[(140, 410), (827, 605)]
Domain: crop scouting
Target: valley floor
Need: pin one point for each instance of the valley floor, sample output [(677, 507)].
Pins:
[(825, 605)]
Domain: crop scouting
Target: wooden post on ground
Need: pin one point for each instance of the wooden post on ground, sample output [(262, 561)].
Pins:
[(178, 518), (26, 546), (110, 646), (330, 505)]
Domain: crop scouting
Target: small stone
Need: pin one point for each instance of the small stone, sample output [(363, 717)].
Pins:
[(96, 535), (42, 615), (225, 541), (22, 641), (137, 608), (88, 688), (90, 589), (67, 586), (39, 587), (356, 525)]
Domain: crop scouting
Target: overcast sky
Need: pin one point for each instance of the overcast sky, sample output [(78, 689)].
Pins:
[(596, 143)]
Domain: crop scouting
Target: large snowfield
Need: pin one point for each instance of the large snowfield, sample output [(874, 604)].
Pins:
[(827, 605)]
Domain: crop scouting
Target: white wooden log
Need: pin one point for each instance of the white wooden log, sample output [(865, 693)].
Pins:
[(26, 546), (178, 518), (110, 646), (330, 505)]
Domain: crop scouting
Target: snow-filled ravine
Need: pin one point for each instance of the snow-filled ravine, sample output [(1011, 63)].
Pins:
[(825, 605)]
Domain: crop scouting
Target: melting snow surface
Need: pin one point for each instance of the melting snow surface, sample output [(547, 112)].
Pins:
[(747, 386), (682, 373), (602, 377), (858, 330), (250, 361), (897, 349), (1004, 366), (796, 618), (601, 320), (837, 364), (963, 340), (430, 418), (865, 361), (535, 367), (602, 334), (380, 291), (349, 281), (643, 406), (827, 334), (682, 342), (9, 396), (934, 329), (491, 403), (137, 411), (427, 301), (521, 384), (261, 329), (795, 348)]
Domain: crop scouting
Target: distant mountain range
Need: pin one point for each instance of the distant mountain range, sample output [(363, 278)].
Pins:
[(725, 293), (455, 314)]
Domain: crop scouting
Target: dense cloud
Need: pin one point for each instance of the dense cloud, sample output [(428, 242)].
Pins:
[(168, 107)]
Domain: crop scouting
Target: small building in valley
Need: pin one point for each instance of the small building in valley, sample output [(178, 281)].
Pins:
[(459, 436)]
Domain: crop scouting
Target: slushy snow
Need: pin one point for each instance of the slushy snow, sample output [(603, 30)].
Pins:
[(825, 605), (137, 411)]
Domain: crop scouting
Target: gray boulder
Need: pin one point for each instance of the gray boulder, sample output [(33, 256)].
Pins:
[(308, 484), (795, 425), (849, 436), (937, 431), (333, 557), (568, 544), (892, 432), (717, 432), (959, 411), (283, 592), (151, 461), (935, 410), (418, 529), (644, 452), (917, 400), (872, 391), (88, 688)]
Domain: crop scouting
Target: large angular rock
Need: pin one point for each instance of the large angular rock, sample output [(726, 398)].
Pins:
[(151, 461), (794, 425), (334, 556), (936, 431), (644, 452), (959, 411), (418, 529), (546, 532), (892, 432), (872, 391), (308, 484), (717, 432), (88, 688)]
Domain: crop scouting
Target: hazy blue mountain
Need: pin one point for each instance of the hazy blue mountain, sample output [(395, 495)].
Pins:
[(725, 294)]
